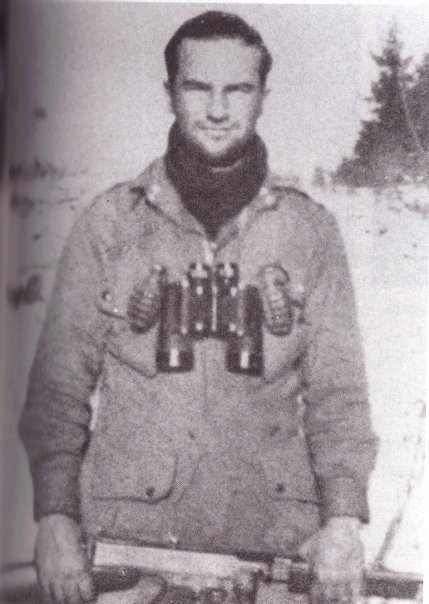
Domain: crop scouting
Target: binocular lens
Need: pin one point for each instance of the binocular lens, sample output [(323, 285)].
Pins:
[(177, 356), (240, 359), (244, 354)]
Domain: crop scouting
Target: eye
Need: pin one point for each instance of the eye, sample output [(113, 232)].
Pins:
[(244, 88), (192, 85)]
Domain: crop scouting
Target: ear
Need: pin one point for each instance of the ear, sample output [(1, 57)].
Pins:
[(169, 93), (265, 93)]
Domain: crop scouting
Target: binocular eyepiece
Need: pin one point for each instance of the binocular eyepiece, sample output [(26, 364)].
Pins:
[(210, 303)]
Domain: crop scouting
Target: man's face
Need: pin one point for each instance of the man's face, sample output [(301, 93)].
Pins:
[(217, 95)]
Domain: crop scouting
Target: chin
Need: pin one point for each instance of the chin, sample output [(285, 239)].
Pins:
[(221, 155)]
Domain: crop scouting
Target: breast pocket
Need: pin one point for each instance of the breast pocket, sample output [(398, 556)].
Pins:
[(148, 477), (282, 353), (134, 349)]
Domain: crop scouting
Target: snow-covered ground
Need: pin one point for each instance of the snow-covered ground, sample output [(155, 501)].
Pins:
[(387, 239), (386, 235)]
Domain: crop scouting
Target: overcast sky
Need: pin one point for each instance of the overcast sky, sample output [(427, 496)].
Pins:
[(97, 69)]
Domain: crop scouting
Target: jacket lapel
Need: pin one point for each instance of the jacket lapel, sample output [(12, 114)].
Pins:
[(158, 192)]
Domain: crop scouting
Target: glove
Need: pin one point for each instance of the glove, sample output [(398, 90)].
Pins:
[(61, 563), (144, 303), (336, 560), (276, 300)]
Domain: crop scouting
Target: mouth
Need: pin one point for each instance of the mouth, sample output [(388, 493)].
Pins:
[(216, 129), (216, 132)]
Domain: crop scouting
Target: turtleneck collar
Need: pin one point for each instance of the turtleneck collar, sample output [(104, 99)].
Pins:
[(215, 194)]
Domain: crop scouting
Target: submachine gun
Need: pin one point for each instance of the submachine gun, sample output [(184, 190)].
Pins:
[(117, 566)]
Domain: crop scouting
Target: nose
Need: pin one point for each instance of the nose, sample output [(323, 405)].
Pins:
[(217, 108)]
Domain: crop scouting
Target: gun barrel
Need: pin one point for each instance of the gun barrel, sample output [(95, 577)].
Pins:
[(377, 582), (18, 582), (387, 584)]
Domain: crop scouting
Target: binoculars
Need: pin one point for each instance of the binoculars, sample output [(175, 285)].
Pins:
[(210, 302)]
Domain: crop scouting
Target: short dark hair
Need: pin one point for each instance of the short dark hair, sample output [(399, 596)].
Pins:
[(215, 24)]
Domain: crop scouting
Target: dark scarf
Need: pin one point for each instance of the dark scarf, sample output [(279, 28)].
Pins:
[(211, 195)]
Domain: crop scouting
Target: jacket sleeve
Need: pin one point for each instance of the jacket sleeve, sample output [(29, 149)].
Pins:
[(54, 425), (337, 422)]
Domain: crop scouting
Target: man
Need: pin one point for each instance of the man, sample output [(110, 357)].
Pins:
[(206, 459)]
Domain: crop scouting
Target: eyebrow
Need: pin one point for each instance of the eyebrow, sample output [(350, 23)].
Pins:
[(196, 83), (246, 86)]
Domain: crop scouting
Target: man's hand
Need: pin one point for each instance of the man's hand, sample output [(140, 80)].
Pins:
[(336, 560), (61, 562)]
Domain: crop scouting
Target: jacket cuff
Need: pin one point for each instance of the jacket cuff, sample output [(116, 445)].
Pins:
[(56, 487), (343, 496)]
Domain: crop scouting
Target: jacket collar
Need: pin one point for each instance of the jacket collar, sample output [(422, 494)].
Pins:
[(158, 192)]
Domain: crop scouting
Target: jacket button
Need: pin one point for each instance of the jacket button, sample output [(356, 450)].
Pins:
[(274, 430), (150, 492), (173, 539), (154, 190), (280, 487), (107, 296), (270, 200)]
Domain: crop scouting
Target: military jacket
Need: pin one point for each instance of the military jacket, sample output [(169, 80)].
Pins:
[(208, 459)]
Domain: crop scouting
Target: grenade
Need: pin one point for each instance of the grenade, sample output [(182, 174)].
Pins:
[(144, 303), (274, 287), (175, 351), (245, 349)]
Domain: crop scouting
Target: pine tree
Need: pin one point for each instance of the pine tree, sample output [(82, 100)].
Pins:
[(319, 179), (419, 103), (389, 144), (385, 141)]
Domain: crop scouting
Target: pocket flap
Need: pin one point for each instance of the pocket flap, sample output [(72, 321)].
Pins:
[(288, 474), (150, 477), (136, 350), (282, 352)]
